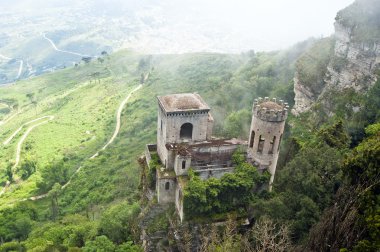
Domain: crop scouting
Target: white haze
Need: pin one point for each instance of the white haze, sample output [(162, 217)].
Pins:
[(178, 26)]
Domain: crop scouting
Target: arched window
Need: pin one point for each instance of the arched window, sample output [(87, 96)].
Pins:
[(260, 147), (271, 145), (183, 164), (186, 131), (167, 186), (252, 139)]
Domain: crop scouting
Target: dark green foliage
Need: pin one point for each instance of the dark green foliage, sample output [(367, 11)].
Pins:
[(335, 136), (237, 124), (100, 244), (305, 186), (343, 104), (356, 204), (371, 111), (312, 65), (103, 244), (154, 164), (28, 167), (232, 192), (117, 222), (16, 223), (71, 231), (55, 172), (11, 246)]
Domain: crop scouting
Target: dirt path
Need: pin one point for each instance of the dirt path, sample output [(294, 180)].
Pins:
[(19, 145), (116, 132), (9, 118), (118, 120), (9, 139), (64, 51)]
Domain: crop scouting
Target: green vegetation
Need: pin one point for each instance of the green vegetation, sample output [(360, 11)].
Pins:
[(356, 204), (312, 65), (98, 209), (363, 19), (232, 192), (84, 106)]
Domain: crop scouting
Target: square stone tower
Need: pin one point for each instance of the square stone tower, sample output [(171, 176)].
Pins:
[(182, 118)]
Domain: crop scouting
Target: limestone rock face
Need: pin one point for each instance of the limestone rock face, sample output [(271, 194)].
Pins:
[(304, 97), (352, 65)]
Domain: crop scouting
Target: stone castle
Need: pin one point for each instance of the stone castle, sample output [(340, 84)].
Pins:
[(184, 140)]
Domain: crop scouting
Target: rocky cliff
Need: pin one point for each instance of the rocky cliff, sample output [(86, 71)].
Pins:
[(355, 58)]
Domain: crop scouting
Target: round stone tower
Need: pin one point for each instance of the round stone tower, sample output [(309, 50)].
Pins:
[(267, 127)]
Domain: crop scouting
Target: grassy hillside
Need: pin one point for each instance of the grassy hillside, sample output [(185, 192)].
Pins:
[(84, 100)]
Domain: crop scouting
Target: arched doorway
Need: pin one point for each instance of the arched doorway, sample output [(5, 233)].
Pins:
[(186, 131)]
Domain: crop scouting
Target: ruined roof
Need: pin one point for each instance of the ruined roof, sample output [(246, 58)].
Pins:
[(271, 105), (182, 102), (183, 148)]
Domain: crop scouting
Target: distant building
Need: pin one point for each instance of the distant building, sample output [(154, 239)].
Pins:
[(184, 140)]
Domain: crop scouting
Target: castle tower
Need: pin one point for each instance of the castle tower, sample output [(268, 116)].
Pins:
[(267, 128), (182, 118)]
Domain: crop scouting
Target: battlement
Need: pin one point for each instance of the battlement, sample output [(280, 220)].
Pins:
[(270, 110)]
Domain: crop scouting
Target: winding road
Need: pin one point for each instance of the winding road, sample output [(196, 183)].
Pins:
[(19, 145), (116, 132), (9, 139), (64, 51), (118, 120)]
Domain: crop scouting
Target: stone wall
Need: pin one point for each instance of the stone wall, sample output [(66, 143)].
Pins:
[(179, 170), (265, 138), (213, 172), (165, 195)]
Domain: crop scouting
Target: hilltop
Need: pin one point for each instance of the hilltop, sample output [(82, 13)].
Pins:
[(77, 182)]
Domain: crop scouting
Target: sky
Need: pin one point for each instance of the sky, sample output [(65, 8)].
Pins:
[(271, 24), (216, 25)]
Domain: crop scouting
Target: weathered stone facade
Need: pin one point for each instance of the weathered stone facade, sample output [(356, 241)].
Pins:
[(267, 128), (184, 130)]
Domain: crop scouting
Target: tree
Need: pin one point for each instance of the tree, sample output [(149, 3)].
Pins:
[(232, 192), (100, 244), (117, 222), (86, 59), (16, 223), (53, 194), (264, 236), (9, 172), (335, 135), (55, 171), (30, 96), (28, 167), (269, 237), (356, 203), (236, 124)]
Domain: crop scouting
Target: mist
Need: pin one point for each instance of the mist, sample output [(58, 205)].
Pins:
[(178, 26)]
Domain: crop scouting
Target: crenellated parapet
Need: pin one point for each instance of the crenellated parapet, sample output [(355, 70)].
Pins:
[(270, 110)]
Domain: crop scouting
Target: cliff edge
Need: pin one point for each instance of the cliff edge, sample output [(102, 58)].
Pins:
[(348, 60)]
